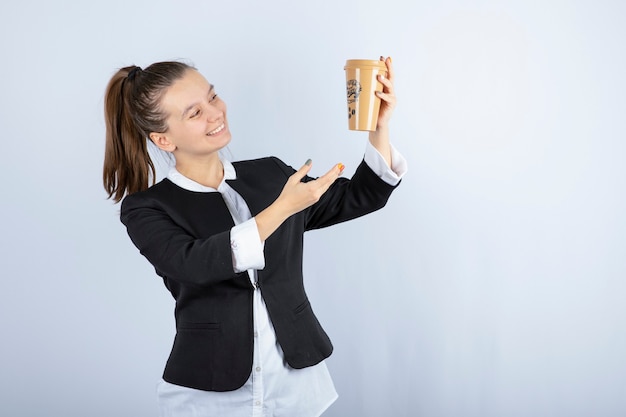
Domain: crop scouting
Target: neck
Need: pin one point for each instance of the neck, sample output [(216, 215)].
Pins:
[(207, 171)]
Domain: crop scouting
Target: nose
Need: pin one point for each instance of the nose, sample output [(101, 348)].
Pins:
[(214, 113)]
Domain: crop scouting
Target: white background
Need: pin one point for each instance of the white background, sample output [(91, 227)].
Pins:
[(491, 285)]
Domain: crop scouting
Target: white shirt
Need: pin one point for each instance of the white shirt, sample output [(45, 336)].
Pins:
[(273, 389)]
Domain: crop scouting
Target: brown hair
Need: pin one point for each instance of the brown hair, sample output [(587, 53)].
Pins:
[(131, 113)]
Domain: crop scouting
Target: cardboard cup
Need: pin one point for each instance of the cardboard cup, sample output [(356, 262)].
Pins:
[(361, 85)]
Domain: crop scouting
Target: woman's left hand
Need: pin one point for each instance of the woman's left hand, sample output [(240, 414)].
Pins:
[(387, 96)]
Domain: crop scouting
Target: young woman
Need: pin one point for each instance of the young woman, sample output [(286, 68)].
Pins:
[(227, 240)]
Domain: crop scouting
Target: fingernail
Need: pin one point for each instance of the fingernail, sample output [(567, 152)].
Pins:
[(308, 162), (340, 166), (389, 60), (382, 58)]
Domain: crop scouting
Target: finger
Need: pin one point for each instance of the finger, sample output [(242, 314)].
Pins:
[(327, 179), (337, 169), (390, 72), (303, 171), (386, 97), (387, 84)]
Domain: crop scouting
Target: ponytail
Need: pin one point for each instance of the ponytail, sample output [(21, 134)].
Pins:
[(131, 113)]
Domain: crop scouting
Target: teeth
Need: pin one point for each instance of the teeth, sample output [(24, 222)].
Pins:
[(219, 129)]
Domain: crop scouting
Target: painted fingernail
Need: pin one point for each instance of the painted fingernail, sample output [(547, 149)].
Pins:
[(340, 166), (308, 162), (381, 58)]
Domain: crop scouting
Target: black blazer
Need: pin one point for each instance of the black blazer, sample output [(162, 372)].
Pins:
[(186, 237)]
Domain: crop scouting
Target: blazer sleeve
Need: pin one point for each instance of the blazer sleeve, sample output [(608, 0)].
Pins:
[(173, 251), (347, 198)]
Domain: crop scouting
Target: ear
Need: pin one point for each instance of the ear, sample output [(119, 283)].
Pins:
[(162, 142)]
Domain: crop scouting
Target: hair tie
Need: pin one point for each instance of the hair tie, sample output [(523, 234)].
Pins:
[(133, 73)]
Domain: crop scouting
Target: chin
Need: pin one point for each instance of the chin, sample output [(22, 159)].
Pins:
[(224, 139)]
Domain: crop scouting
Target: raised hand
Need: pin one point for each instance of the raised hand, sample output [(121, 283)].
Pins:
[(295, 197), (298, 195)]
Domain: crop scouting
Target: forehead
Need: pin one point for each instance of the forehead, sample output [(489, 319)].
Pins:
[(185, 91)]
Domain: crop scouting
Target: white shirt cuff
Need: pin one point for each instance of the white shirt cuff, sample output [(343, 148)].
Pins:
[(247, 247), (391, 175)]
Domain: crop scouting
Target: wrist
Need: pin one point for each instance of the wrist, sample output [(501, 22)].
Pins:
[(281, 208), (379, 139), (381, 134), (271, 218)]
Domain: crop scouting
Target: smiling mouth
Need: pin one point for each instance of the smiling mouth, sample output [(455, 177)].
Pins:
[(217, 130)]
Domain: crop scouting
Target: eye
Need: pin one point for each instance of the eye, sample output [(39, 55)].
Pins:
[(213, 98), (194, 114)]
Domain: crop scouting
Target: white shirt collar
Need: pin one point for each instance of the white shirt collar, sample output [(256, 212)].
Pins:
[(190, 185)]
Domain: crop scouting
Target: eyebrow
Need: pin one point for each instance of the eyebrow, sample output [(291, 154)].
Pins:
[(211, 88)]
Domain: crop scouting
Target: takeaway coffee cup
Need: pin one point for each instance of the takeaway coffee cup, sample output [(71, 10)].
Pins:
[(361, 86)]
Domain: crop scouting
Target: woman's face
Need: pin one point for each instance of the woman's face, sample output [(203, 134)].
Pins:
[(196, 118)]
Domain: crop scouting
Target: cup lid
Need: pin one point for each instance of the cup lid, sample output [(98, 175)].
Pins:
[(360, 63)]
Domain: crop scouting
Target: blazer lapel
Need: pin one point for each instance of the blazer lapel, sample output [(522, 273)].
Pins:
[(258, 185)]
